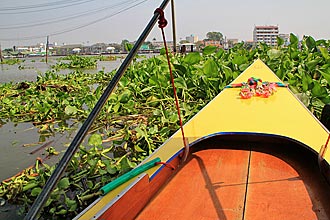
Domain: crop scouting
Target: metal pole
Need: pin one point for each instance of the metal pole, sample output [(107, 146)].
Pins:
[(173, 26), (47, 42), (1, 58), (63, 163)]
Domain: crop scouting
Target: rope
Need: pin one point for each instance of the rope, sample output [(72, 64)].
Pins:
[(324, 148), (162, 22)]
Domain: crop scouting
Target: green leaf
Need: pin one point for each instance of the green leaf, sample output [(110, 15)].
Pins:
[(326, 75), (125, 96), (126, 165), (318, 90), (209, 50), (310, 43), (140, 132), (180, 68), (228, 72), (36, 191), (111, 169), (211, 68), (63, 183), (162, 51), (324, 51), (180, 83), (312, 64), (95, 140), (70, 110), (280, 41), (304, 84), (192, 58), (280, 73), (124, 82), (239, 60), (220, 53), (274, 54), (138, 149), (293, 40)]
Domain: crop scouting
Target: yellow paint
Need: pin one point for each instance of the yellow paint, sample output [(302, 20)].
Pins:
[(280, 114)]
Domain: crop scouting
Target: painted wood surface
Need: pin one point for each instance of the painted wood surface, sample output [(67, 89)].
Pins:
[(281, 114), (235, 184)]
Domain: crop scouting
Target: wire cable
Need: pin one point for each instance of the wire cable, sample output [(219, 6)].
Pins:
[(75, 28), (47, 9), (43, 5), (57, 20)]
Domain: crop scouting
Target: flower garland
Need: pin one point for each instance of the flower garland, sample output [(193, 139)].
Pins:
[(255, 87)]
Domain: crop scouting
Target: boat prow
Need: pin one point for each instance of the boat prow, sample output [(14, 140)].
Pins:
[(261, 157)]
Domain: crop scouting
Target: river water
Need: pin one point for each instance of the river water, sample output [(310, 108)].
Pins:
[(20, 142), (29, 68)]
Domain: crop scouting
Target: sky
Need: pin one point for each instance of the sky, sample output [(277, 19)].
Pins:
[(110, 21)]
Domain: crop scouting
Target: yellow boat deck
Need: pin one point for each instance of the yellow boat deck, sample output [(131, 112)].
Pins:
[(281, 115)]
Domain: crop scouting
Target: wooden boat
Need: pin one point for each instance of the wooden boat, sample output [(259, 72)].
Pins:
[(256, 158)]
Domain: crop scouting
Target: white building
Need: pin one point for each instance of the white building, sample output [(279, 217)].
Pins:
[(267, 34)]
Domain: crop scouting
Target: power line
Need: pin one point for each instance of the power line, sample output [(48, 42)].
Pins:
[(69, 4), (40, 5), (75, 28), (57, 20)]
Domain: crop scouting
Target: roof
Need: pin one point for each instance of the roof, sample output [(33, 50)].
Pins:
[(266, 27)]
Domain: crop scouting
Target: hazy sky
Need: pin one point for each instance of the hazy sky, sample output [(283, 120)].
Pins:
[(114, 20)]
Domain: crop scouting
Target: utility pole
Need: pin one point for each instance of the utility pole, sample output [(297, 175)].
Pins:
[(1, 59), (47, 42), (173, 26)]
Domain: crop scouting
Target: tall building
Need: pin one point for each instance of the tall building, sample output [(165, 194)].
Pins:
[(267, 34), (192, 38)]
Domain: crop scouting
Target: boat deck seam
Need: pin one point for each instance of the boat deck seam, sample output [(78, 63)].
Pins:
[(247, 183)]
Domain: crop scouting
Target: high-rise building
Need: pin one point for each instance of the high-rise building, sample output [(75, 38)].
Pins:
[(267, 34), (192, 38)]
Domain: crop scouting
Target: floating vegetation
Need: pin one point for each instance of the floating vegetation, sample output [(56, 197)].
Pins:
[(107, 58), (76, 62), (140, 115), (12, 61)]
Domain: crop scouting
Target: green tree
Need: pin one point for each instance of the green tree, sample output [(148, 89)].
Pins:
[(124, 45), (213, 35)]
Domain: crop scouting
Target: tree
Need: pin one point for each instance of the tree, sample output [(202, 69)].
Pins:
[(124, 45), (217, 36)]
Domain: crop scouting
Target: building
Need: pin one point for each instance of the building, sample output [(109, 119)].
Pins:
[(215, 43), (286, 38), (266, 34), (192, 39)]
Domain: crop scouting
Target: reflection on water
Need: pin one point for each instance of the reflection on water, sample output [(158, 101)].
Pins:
[(21, 144)]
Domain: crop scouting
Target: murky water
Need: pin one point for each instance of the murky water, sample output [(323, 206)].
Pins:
[(29, 69)]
